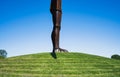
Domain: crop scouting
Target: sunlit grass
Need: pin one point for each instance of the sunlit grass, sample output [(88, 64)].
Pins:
[(59, 65)]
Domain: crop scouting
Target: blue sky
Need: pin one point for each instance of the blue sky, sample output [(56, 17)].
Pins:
[(88, 26)]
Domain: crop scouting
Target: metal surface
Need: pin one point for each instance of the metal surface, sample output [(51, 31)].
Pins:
[(56, 11)]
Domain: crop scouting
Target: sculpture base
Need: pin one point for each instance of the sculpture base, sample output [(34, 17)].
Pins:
[(60, 50)]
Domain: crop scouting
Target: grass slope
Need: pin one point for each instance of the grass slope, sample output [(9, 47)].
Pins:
[(59, 65)]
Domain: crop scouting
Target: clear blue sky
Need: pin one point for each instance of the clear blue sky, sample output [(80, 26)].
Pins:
[(88, 26)]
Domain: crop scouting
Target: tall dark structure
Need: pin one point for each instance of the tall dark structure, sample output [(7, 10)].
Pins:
[(56, 12)]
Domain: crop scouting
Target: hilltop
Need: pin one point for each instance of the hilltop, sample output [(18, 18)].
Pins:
[(59, 65)]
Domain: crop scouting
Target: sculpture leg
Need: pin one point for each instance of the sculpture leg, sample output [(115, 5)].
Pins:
[(56, 15)]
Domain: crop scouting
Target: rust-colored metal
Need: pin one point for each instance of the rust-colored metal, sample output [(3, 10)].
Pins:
[(56, 11)]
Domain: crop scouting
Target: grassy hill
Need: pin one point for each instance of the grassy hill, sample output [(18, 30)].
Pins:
[(59, 65)]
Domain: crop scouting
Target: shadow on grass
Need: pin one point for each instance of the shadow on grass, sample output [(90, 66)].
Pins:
[(53, 54)]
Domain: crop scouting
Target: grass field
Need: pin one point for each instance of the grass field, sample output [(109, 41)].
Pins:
[(59, 65)]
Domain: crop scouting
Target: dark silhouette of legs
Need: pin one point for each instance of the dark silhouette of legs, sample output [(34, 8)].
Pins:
[(56, 16)]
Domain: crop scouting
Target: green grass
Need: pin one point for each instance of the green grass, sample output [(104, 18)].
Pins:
[(59, 65)]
